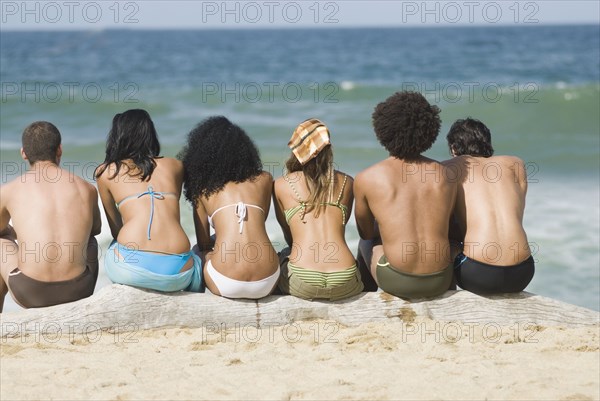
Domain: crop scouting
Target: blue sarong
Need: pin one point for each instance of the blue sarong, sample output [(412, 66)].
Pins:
[(121, 272)]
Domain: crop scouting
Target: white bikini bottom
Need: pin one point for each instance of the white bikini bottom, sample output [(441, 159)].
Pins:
[(231, 288)]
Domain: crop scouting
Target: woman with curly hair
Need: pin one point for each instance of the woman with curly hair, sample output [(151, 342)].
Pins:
[(313, 204), (404, 202), (140, 191), (225, 183)]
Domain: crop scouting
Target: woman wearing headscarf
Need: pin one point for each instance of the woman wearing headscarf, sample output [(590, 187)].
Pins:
[(313, 202)]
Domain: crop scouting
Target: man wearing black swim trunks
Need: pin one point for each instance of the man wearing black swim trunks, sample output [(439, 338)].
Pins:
[(488, 216), (51, 255)]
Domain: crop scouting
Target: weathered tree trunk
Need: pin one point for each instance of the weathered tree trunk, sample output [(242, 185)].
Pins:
[(123, 308)]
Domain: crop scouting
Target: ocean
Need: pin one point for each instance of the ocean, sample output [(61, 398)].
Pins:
[(536, 87)]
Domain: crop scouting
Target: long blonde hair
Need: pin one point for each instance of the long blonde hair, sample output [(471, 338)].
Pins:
[(318, 176)]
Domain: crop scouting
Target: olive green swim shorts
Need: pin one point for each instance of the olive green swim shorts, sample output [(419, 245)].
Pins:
[(407, 285)]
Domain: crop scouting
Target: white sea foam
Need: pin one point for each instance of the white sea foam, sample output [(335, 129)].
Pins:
[(563, 220), (347, 85), (10, 144), (571, 96)]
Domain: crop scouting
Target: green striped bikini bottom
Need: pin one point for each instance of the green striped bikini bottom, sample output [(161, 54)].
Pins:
[(313, 284)]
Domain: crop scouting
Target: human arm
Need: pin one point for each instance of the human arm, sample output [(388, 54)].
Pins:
[(113, 215), (520, 172), (6, 229), (349, 196), (456, 234), (202, 228), (178, 172), (456, 171), (365, 220), (280, 215), (96, 219)]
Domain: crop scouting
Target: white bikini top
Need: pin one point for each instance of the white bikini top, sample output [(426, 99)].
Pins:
[(241, 212)]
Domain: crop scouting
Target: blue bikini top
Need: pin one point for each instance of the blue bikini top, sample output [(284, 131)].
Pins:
[(153, 195)]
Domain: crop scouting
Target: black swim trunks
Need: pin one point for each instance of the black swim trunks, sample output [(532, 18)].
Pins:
[(481, 278)]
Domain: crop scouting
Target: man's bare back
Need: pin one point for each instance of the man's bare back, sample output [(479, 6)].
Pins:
[(54, 216), (405, 201), (412, 203), (487, 225), (493, 191)]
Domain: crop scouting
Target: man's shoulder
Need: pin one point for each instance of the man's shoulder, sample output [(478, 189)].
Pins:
[(457, 165), (78, 181), (455, 161), (373, 171), (23, 182), (10, 187), (13, 183), (381, 174), (508, 159), (474, 161)]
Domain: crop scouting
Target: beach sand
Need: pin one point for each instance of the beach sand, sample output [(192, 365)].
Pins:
[(423, 359)]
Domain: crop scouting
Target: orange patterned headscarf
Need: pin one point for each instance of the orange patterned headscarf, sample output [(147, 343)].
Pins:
[(309, 138)]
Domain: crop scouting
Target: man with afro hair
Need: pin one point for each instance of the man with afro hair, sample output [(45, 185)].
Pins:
[(404, 202)]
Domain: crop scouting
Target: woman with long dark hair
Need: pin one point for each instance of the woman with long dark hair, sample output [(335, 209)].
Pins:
[(140, 191), (313, 202), (230, 192)]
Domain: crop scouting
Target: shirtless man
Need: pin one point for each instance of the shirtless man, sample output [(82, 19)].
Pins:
[(55, 216), (404, 203), (488, 216)]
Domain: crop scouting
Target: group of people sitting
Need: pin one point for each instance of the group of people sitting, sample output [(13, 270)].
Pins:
[(424, 225)]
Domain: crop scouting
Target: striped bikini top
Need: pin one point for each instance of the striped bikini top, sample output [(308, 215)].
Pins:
[(289, 213)]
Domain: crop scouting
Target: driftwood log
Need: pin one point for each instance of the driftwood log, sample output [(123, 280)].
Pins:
[(121, 308)]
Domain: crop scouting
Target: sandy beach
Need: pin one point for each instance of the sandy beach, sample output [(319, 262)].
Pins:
[(423, 359)]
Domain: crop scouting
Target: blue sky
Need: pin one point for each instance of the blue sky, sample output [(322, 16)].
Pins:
[(151, 14)]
